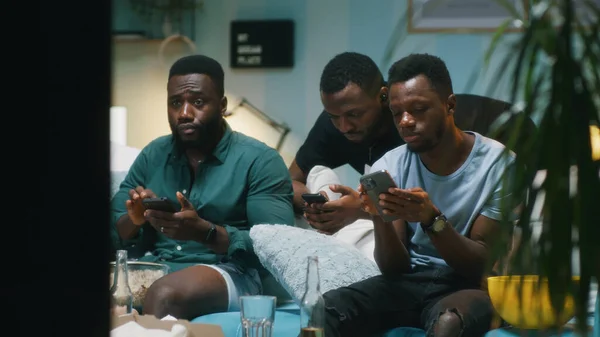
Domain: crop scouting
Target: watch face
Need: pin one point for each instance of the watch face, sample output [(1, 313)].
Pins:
[(438, 225)]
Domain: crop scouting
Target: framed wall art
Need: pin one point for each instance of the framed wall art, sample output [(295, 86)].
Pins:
[(457, 16)]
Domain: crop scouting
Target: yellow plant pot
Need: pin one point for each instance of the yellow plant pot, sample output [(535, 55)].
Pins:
[(524, 302), (595, 139)]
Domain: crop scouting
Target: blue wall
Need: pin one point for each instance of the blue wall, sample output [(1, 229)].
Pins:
[(323, 29)]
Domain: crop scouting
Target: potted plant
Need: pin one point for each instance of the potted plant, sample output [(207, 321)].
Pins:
[(554, 73), (554, 76), (171, 13)]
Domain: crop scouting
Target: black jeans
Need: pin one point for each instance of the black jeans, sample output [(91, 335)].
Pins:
[(416, 299)]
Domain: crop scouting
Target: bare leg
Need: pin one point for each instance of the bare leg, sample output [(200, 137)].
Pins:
[(187, 294)]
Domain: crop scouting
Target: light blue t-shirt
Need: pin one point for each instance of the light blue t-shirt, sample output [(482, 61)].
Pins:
[(474, 189)]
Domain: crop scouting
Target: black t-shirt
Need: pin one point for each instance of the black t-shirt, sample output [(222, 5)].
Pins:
[(327, 146)]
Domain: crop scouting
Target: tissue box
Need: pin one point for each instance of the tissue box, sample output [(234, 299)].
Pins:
[(151, 322)]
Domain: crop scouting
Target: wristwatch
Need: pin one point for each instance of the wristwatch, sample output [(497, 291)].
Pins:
[(438, 224), (212, 233)]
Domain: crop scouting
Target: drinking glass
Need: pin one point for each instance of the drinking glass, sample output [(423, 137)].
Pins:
[(257, 315)]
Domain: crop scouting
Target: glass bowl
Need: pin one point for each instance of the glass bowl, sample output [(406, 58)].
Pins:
[(141, 275)]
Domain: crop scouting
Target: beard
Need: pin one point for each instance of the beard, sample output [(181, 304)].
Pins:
[(206, 134), (428, 144)]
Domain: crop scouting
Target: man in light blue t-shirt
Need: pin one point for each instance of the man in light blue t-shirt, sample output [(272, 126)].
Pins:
[(448, 203)]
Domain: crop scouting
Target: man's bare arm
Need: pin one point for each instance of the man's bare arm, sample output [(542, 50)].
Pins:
[(468, 255), (126, 228), (390, 251)]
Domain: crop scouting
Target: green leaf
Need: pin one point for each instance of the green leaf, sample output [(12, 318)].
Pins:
[(496, 39)]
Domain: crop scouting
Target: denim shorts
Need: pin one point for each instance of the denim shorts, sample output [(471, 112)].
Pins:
[(240, 281)]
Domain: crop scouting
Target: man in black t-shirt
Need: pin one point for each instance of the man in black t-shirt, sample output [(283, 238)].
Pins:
[(355, 128)]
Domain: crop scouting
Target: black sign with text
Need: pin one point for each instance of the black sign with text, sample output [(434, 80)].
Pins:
[(262, 44)]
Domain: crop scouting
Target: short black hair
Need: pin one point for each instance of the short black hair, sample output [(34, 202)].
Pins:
[(351, 67), (200, 64), (427, 65)]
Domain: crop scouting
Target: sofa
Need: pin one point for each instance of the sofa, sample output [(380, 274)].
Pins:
[(473, 113), (333, 254)]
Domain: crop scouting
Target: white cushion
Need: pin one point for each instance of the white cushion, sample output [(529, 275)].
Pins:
[(284, 251), (121, 156)]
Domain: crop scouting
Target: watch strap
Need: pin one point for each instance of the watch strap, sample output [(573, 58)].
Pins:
[(430, 227), (212, 233)]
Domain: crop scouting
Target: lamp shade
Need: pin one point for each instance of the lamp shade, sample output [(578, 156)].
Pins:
[(249, 120)]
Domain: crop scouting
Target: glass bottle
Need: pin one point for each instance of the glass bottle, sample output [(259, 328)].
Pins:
[(312, 307), (121, 294)]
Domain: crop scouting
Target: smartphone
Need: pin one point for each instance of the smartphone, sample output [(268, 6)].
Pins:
[(314, 198), (159, 204), (376, 183)]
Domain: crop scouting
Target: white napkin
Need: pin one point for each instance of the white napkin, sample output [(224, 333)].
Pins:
[(133, 329)]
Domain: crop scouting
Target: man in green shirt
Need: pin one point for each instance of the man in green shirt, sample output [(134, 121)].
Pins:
[(220, 182)]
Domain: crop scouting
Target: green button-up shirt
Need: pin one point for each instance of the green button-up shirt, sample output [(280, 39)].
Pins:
[(243, 183)]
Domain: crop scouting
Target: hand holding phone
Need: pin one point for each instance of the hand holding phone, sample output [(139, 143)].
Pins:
[(412, 204), (135, 207), (178, 220), (373, 185), (159, 204), (314, 198)]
